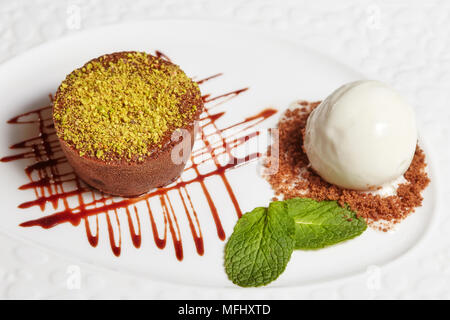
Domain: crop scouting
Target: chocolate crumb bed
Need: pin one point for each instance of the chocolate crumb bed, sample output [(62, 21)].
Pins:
[(295, 178)]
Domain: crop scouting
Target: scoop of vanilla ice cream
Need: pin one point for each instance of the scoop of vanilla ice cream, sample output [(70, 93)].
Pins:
[(362, 136)]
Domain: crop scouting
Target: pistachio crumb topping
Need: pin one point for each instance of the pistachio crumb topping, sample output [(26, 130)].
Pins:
[(121, 106)]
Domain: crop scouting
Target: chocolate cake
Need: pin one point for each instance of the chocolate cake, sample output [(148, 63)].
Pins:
[(120, 119)]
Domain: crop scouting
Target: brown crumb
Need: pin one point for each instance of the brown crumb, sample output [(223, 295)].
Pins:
[(295, 178)]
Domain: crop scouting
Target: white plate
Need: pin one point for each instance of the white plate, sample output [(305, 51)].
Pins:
[(277, 72)]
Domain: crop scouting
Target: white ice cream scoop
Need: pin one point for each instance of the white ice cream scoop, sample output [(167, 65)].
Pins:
[(362, 136)]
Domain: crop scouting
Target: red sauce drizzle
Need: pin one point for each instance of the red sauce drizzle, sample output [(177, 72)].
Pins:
[(54, 182)]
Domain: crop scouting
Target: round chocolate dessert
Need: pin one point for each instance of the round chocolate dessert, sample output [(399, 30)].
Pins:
[(120, 119)]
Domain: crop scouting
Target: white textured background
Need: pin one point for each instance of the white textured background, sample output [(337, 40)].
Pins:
[(405, 43)]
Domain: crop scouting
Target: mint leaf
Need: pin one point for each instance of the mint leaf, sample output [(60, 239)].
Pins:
[(321, 224), (260, 246), (264, 239)]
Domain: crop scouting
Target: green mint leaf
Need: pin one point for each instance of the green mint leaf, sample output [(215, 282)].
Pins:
[(324, 223), (260, 246)]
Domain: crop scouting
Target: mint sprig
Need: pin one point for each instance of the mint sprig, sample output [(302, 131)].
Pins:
[(260, 247), (263, 240)]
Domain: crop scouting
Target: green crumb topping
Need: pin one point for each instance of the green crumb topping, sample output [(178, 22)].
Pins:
[(123, 105)]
